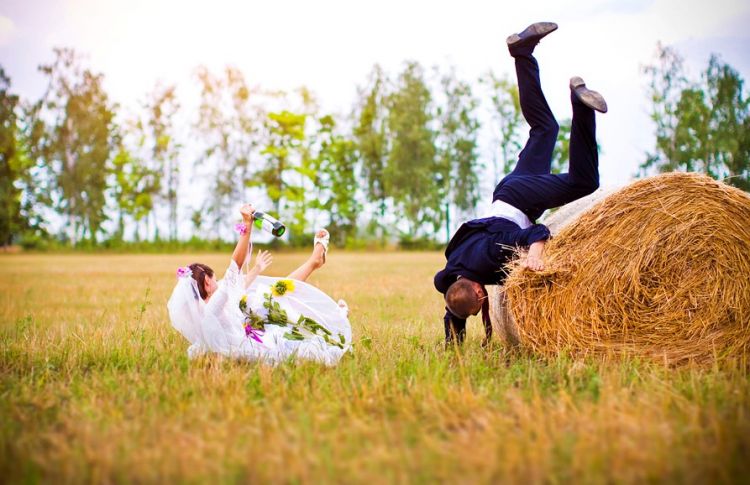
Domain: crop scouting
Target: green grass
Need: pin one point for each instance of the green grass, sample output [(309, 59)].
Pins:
[(95, 386)]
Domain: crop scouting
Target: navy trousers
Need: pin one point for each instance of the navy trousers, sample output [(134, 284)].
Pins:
[(530, 187)]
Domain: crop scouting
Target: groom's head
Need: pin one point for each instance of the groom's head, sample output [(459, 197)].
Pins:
[(465, 297)]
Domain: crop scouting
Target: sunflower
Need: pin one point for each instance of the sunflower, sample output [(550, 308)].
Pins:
[(282, 287)]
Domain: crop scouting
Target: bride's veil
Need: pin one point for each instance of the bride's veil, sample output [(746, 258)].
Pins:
[(186, 311)]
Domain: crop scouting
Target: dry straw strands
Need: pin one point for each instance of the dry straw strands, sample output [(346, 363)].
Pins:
[(660, 268)]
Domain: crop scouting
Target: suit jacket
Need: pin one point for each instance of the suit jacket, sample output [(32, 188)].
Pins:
[(478, 251)]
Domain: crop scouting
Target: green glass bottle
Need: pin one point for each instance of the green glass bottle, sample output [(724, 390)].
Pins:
[(263, 221)]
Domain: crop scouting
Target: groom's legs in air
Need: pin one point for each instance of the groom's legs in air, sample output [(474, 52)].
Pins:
[(536, 193), (536, 156), (315, 261), (530, 187), (583, 171)]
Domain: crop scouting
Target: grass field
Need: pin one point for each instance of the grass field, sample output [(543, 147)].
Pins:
[(95, 386)]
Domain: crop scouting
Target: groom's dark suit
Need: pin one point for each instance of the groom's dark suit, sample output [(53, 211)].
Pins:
[(481, 247), (477, 251)]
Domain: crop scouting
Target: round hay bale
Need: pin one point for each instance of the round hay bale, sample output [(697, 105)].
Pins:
[(502, 321), (660, 268), (503, 325)]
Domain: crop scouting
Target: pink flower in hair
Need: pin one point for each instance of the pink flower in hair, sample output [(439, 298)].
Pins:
[(184, 271)]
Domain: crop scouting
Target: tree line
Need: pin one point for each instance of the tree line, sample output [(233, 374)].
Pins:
[(402, 166)]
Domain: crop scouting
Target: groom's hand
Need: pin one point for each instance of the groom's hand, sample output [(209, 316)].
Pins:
[(534, 257), (534, 263)]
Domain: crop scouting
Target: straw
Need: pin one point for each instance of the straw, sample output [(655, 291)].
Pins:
[(660, 269)]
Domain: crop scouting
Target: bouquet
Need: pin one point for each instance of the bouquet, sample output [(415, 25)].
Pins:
[(304, 326), (254, 324)]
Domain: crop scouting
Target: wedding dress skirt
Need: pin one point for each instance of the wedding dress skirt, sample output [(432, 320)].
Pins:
[(217, 326)]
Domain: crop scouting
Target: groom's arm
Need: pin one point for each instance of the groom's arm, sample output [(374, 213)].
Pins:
[(454, 328), (530, 235), (534, 237)]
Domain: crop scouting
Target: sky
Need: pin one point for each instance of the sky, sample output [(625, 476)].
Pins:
[(330, 46)]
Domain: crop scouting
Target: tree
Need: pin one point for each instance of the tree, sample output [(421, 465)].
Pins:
[(458, 176), (666, 82), (730, 122), (508, 121), (134, 189), (138, 178), (370, 136), (337, 161), (700, 125), (13, 166), (286, 134), (74, 136), (230, 124), (161, 109), (410, 172), (306, 185)]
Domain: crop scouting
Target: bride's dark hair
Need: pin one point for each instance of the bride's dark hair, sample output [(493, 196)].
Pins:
[(200, 271)]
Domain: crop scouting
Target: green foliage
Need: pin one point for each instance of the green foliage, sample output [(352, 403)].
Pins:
[(297, 331), (409, 175), (458, 173), (161, 111), (13, 166), (74, 134), (134, 189), (408, 165), (285, 151), (230, 126), (276, 314), (370, 136), (338, 184), (702, 125), (508, 118)]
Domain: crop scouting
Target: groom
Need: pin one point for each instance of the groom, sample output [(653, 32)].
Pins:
[(479, 249)]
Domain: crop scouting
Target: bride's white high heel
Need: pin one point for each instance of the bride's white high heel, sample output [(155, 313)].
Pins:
[(323, 240)]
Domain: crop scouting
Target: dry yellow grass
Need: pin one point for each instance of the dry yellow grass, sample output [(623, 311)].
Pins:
[(95, 386), (660, 268)]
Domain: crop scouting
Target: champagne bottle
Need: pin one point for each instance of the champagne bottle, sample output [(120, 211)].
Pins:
[(268, 223)]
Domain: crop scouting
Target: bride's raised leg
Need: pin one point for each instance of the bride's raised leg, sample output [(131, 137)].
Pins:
[(315, 261)]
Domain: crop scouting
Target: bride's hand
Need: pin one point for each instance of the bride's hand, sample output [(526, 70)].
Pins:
[(263, 260), (247, 212)]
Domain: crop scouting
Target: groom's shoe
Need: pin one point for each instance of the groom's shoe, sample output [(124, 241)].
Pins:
[(590, 98), (525, 42)]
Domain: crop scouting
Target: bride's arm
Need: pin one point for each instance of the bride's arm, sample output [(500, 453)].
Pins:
[(262, 262), (240, 251)]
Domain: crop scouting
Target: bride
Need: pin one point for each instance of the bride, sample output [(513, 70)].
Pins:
[(259, 318)]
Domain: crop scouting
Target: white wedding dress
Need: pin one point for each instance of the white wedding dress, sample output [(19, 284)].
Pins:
[(217, 326)]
